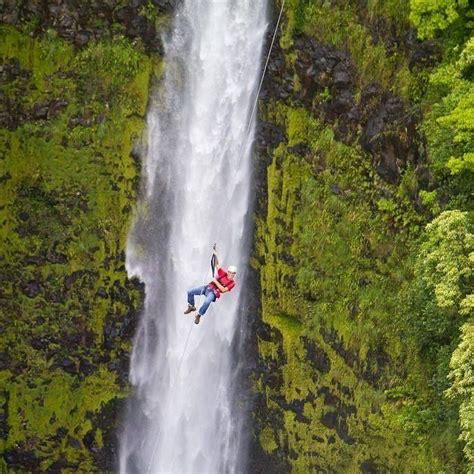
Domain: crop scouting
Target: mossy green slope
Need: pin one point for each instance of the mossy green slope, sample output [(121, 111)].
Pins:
[(333, 280), (353, 370), (68, 184)]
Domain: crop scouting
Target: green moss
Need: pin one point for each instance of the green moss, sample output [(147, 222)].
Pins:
[(59, 402), (333, 264), (267, 440), (70, 180), (348, 27)]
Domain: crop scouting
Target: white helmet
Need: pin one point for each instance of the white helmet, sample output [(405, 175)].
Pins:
[(232, 269)]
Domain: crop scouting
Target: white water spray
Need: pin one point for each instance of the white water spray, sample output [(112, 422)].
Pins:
[(183, 417)]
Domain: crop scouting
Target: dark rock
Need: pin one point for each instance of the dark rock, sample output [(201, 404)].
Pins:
[(31, 288), (331, 337), (35, 260), (321, 67), (3, 424), (21, 457), (369, 466), (10, 12), (376, 360), (424, 175), (39, 343), (106, 420), (86, 368), (268, 135), (166, 5), (335, 189), (318, 359), (64, 19), (265, 332), (110, 332), (55, 107), (40, 111), (128, 326), (424, 54), (33, 9), (89, 338), (297, 407), (341, 79), (89, 442), (82, 38), (61, 465), (74, 443), (72, 278), (389, 133), (329, 420), (342, 103), (301, 149), (11, 71), (71, 339), (67, 365), (273, 377), (330, 398), (5, 361), (53, 256), (136, 3), (337, 421)]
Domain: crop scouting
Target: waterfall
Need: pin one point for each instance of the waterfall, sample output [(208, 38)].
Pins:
[(183, 416)]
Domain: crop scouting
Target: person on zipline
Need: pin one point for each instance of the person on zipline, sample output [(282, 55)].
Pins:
[(222, 283)]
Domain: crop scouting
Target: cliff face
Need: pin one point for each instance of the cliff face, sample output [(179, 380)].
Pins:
[(75, 82), (354, 350), (362, 242)]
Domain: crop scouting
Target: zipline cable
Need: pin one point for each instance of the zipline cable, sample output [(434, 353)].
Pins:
[(241, 153), (254, 108)]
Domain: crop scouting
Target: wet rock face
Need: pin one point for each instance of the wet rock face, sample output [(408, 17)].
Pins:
[(22, 458), (325, 70), (64, 280), (317, 390), (318, 359), (80, 21), (13, 112), (389, 132), (379, 121)]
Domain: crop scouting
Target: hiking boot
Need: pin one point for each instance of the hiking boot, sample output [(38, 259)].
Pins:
[(197, 318), (190, 309)]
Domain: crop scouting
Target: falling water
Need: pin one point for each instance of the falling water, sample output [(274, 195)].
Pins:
[(183, 417)]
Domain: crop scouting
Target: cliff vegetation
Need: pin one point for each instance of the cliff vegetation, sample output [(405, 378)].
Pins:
[(364, 240), (75, 82)]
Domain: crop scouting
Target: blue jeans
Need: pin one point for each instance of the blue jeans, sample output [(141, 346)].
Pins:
[(201, 290)]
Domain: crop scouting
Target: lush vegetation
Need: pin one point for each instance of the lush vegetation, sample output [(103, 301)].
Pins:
[(68, 186), (367, 284), (364, 239)]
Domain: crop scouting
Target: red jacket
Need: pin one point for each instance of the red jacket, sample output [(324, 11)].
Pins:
[(224, 280)]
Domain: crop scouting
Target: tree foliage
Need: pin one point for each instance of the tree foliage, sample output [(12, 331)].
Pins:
[(445, 260), (450, 122), (462, 388), (432, 16)]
